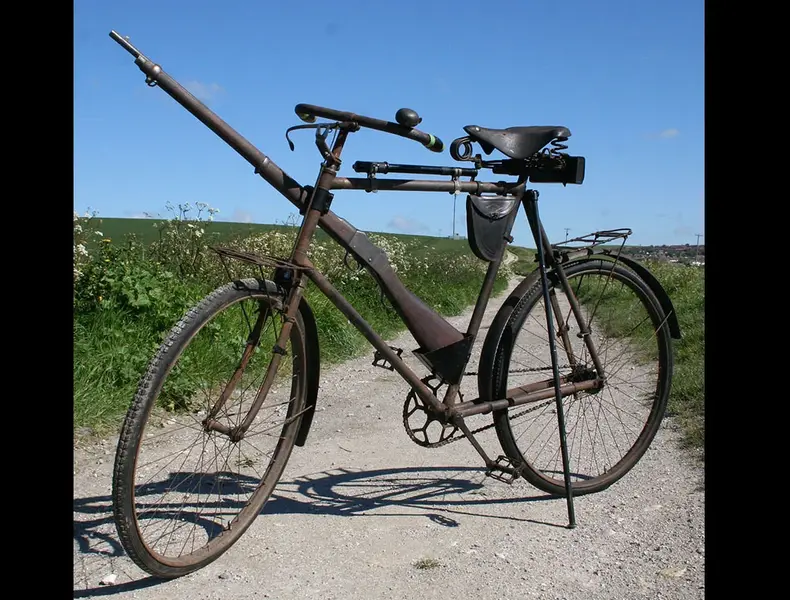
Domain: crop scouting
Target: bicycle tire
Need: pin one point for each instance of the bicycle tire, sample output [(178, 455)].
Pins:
[(592, 470), (134, 516)]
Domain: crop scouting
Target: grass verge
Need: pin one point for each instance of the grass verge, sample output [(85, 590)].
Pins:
[(128, 296)]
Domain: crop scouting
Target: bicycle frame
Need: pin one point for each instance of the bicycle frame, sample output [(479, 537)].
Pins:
[(443, 349)]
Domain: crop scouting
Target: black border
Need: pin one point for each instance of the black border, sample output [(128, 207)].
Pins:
[(733, 287)]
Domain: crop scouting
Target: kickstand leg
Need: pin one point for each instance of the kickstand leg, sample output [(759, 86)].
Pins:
[(530, 200)]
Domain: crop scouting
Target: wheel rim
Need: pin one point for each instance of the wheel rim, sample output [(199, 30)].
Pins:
[(196, 491), (609, 429)]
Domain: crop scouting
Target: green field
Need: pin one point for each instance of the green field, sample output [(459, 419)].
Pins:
[(136, 280), (686, 287), (117, 229)]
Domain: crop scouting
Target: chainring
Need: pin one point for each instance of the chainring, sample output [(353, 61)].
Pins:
[(414, 409)]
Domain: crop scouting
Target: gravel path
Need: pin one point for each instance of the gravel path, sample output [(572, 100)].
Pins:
[(362, 512)]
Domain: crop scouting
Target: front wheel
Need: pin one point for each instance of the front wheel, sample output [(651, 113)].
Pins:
[(184, 492), (608, 430)]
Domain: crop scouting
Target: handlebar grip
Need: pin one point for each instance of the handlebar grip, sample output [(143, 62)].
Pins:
[(434, 144)]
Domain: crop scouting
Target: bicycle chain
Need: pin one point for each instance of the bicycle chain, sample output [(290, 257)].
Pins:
[(455, 437)]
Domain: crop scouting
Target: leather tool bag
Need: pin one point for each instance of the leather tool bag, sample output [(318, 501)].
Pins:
[(487, 223)]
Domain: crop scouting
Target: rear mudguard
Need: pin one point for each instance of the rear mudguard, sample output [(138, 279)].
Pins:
[(658, 290), (313, 369), (496, 329)]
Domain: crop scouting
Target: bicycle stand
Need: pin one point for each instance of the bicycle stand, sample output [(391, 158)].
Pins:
[(530, 201)]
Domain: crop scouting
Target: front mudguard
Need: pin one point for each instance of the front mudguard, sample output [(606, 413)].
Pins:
[(313, 357), (312, 354)]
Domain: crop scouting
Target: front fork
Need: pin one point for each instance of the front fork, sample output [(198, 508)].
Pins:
[(317, 206)]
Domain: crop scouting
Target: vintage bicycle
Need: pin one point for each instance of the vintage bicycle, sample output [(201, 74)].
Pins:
[(575, 369)]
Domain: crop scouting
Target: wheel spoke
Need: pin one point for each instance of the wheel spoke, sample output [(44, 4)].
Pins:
[(607, 430), (187, 485)]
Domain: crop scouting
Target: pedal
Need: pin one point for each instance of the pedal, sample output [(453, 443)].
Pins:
[(506, 468), (381, 361)]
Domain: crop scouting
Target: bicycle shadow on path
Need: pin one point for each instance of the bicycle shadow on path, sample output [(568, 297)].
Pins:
[(431, 490), (437, 493)]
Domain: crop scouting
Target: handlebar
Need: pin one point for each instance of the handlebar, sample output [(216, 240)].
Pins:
[(308, 113)]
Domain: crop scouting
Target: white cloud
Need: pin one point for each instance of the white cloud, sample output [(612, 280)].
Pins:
[(204, 91), (669, 133)]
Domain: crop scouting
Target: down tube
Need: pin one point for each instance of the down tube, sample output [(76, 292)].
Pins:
[(326, 288)]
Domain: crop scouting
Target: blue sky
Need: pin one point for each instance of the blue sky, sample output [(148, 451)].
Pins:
[(625, 77)]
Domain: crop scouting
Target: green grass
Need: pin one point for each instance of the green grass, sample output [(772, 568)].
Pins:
[(427, 563), (685, 287), (117, 229), (126, 303), (526, 260)]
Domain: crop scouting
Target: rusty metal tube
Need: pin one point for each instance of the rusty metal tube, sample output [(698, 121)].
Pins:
[(519, 395), (263, 165), (429, 329), (323, 284)]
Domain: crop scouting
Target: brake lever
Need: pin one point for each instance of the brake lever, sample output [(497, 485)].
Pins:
[(290, 129), (321, 133), (320, 142)]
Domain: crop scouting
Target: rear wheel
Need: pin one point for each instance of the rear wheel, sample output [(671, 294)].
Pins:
[(184, 493), (608, 430)]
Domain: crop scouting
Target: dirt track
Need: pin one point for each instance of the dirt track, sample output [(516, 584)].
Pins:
[(360, 505)]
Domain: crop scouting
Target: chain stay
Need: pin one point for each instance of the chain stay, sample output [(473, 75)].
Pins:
[(454, 437)]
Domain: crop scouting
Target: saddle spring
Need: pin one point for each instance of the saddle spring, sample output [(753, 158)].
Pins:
[(461, 149), (557, 146)]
